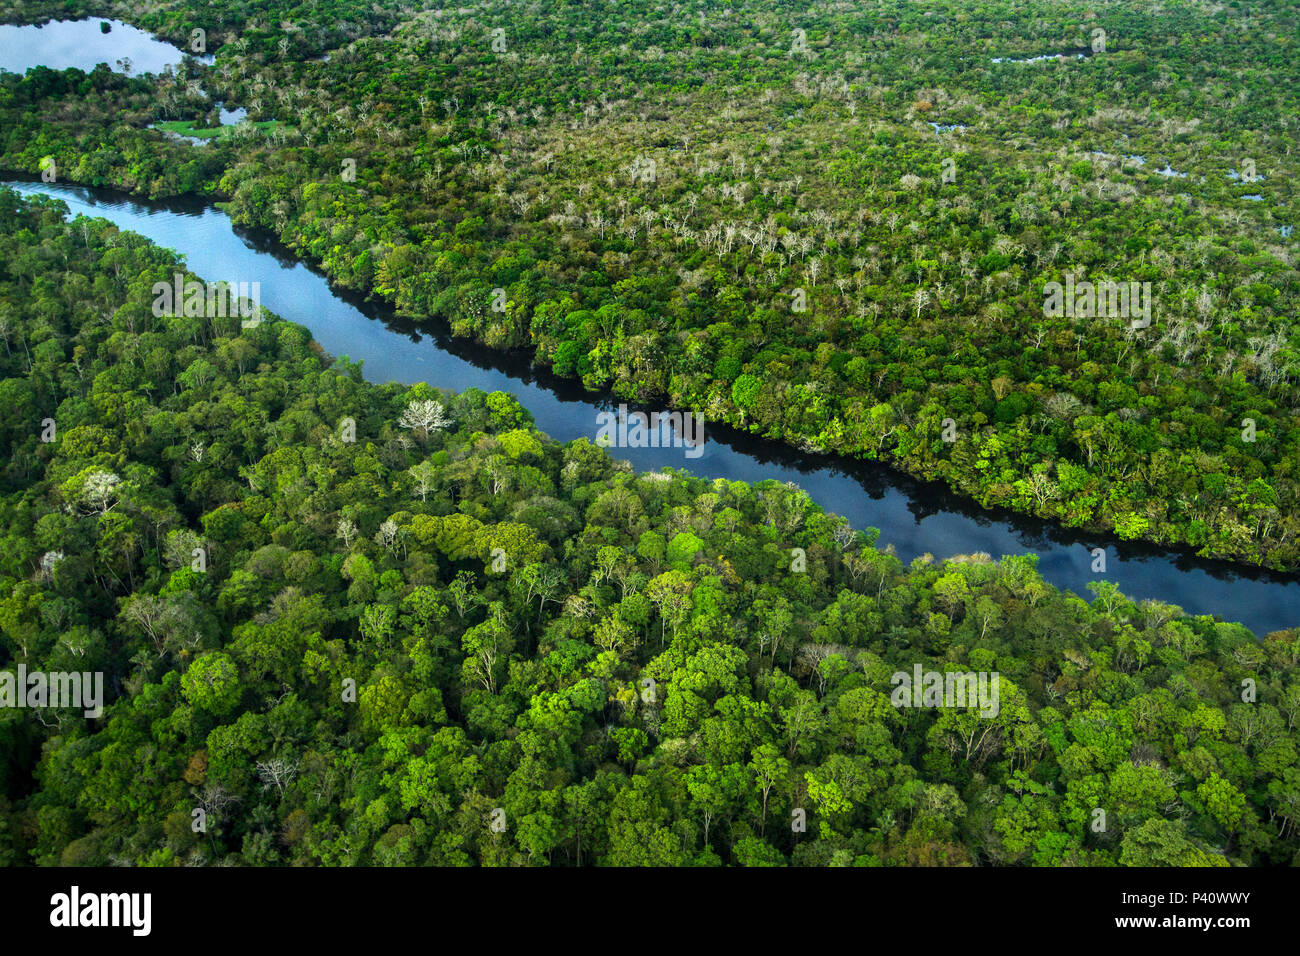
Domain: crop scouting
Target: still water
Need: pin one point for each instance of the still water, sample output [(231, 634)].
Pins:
[(915, 517), (63, 44)]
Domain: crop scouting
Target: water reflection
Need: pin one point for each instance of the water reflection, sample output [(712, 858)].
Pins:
[(915, 517), (83, 44)]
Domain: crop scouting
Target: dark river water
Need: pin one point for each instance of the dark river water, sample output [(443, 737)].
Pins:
[(914, 517)]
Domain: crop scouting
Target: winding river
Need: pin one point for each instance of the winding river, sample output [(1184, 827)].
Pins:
[(915, 517)]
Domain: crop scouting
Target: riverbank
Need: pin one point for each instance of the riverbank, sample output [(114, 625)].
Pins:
[(946, 372), (916, 518)]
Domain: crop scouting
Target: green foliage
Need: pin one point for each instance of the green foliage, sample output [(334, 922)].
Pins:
[(783, 171), (355, 678)]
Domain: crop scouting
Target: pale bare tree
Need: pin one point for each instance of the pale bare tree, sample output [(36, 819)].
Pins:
[(100, 490), (424, 474), (424, 415), (277, 772)]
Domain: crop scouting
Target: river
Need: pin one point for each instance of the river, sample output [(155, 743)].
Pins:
[(915, 517)]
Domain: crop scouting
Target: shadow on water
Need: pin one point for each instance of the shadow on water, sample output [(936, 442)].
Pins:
[(915, 517)]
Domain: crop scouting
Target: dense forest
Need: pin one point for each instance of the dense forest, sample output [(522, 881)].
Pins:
[(830, 226), (349, 623)]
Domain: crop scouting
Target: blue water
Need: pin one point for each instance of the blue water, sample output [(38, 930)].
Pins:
[(914, 517)]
